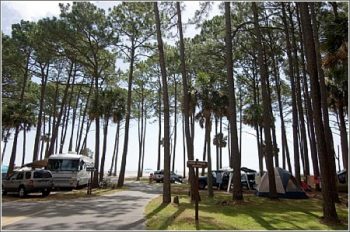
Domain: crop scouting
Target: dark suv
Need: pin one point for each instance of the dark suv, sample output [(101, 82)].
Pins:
[(28, 181), (225, 175), (247, 179)]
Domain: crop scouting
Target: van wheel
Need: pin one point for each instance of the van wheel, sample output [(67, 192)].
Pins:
[(22, 192), (46, 192), (201, 185), (3, 191)]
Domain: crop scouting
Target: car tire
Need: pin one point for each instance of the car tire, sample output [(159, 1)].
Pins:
[(46, 192), (22, 191), (3, 191), (201, 185)]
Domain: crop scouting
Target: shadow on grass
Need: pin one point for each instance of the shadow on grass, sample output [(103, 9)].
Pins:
[(156, 210), (269, 213), (171, 219)]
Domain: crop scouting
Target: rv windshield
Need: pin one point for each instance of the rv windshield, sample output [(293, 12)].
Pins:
[(63, 165)]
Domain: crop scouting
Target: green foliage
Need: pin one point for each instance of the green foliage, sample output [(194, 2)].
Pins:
[(252, 115), (111, 105), (220, 140)]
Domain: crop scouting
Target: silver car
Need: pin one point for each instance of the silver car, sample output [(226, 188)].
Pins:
[(28, 181)]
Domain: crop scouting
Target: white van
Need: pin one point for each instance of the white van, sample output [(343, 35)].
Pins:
[(69, 170)]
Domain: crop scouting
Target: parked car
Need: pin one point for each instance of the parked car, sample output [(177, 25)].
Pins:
[(28, 181), (159, 175), (225, 176), (246, 174)]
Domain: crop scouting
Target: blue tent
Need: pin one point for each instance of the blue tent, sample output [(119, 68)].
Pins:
[(286, 185)]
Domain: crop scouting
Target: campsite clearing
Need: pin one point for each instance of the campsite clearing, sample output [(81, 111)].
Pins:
[(254, 213)]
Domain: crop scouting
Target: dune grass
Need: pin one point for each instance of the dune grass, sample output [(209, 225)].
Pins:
[(254, 213)]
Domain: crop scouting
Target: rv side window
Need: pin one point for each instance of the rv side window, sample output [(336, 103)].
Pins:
[(54, 164)]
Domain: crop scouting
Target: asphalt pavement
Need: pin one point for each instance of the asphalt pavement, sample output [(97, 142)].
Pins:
[(117, 211)]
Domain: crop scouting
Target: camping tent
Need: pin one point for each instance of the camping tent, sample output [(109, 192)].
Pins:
[(286, 185)]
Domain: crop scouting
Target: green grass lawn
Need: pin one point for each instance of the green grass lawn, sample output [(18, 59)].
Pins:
[(254, 213)]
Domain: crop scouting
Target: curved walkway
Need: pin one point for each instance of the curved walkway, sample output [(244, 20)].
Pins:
[(118, 211)]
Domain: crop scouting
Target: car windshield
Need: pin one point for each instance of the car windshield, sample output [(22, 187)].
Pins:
[(63, 164)]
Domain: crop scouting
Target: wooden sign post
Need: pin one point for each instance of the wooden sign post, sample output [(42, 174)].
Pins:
[(196, 164), (90, 169)]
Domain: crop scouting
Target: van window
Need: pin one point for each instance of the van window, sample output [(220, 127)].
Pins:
[(38, 175), (20, 176), (42, 174), (28, 175), (47, 175)]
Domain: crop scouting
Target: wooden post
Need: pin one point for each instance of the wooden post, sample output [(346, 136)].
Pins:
[(91, 170), (197, 194), (196, 164)]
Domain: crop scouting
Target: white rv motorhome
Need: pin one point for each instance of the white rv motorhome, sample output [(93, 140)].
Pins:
[(69, 170)]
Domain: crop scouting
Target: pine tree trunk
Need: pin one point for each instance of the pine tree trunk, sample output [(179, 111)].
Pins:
[(257, 127), (95, 182), (13, 153), (235, 161), (140, 133), (79, 128), (86, 135), (285, 149), (273, 127), (49, 133), (175, 125), (127, 118), (294, 103), (217, 145), (70, 146), (220, 147), (308, 107), (186, 100), (159, 122), (343, 136), (327, 129), (143, 145), (104, 149), (184, 146), (166, 179), (266, 104), (329, 210), (116, 151), (78, 148), (304, 147), (41, 108), (43, 134), (57, 124)]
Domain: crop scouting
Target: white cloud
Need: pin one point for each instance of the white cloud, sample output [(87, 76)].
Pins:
[(15, 11), (34, 10)]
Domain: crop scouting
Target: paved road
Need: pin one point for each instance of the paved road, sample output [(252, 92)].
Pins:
[(118, 211)]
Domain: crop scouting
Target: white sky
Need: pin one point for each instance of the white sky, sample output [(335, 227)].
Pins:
[(14, 11)]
